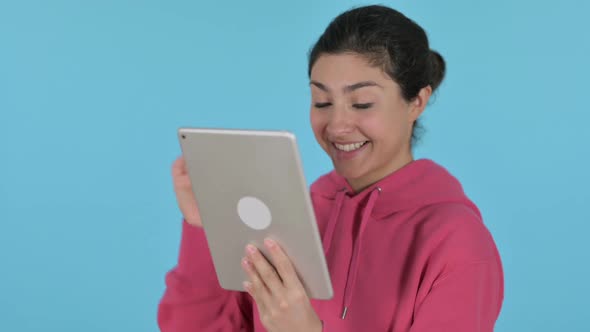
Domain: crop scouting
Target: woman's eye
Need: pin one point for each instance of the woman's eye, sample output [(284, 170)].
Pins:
[(322, 105), (362, 106)]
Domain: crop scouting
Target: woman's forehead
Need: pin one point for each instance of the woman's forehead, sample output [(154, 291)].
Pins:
[(347, 72)]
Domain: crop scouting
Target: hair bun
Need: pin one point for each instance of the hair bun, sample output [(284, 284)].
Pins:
[(437, 69)]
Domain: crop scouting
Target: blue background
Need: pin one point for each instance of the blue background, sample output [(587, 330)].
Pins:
[(91, 94)]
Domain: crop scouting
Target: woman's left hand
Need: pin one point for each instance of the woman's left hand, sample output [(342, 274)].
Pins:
[(281, 299)]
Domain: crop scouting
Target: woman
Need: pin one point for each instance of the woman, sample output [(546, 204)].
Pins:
[(406, 249)]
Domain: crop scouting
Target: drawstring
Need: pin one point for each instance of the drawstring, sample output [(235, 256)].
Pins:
[(352, 270), (333, 218)]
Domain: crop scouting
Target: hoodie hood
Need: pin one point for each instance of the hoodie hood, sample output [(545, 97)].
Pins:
[(418, 184)]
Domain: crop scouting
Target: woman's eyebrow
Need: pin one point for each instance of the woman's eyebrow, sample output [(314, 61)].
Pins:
[(348, 88), (319, 85)]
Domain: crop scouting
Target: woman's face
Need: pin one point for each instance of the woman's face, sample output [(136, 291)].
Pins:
[(360, 118)]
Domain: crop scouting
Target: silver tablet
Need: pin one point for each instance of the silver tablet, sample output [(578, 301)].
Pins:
[(250, 185)]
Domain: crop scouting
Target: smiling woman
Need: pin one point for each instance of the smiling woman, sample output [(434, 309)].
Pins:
[(407, 250), (378, 60), (360, 117)]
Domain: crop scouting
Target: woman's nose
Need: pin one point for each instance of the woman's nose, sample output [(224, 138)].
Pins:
[(341, 122)]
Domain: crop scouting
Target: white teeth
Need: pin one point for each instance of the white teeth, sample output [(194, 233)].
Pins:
[(349, 147)]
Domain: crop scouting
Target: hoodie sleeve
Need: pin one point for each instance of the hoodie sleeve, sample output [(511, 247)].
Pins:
[(467, 299), (193, 300)]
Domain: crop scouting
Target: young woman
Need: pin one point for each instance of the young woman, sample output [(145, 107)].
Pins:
[(406, 249)]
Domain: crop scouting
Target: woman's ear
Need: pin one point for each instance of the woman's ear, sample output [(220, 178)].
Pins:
[(418, 104)]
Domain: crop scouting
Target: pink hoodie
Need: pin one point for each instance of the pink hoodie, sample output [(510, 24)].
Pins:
[(409, 253)]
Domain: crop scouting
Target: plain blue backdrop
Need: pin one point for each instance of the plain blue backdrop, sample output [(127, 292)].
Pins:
[(92, 92)]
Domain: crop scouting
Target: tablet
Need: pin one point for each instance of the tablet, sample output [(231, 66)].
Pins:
[(249, 185)]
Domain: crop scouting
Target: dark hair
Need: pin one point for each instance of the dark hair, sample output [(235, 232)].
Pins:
[(388, 39)]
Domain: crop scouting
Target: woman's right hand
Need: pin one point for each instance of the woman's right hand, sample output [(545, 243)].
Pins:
[(184, 193)]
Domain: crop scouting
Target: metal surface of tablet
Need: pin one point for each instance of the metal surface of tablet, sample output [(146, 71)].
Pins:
[(249, 185)]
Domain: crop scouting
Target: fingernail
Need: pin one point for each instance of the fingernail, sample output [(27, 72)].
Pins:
[(247, 286), (270, 243), (251, 249), (245, 262)]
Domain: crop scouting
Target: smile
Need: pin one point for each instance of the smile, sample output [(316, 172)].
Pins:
[(350, 147)]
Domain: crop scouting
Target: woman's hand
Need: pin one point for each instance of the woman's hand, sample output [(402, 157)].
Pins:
[(184, 193), (280, 297)]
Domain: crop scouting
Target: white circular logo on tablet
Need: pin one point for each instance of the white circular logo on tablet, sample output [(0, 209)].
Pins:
[(254, 212)]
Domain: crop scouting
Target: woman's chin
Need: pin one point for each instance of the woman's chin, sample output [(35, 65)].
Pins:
[(351, 174)]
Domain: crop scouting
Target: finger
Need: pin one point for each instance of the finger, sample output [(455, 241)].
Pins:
[(283, 264), (182, 182), (179, 166), (266, 272), (255, 286)]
